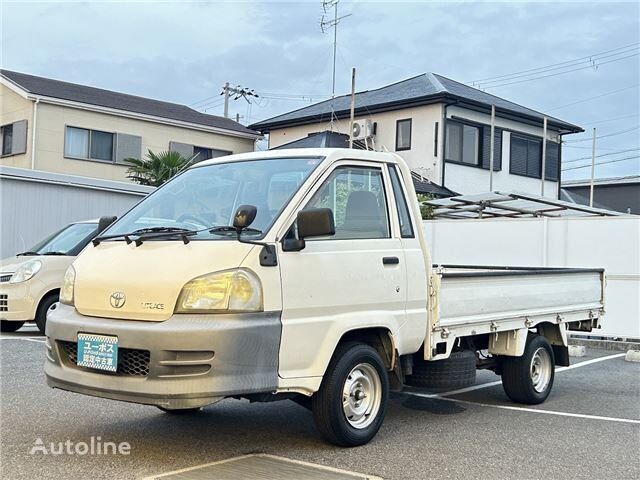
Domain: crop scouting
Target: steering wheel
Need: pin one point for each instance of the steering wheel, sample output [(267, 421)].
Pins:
[(193, 220)]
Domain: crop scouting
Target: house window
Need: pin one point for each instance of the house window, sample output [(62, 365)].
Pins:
[(463, 143), (202, 153), (7, 139), (403, 135), (88, 144), (526, 156)]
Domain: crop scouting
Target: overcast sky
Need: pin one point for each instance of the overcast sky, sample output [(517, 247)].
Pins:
[(184, 52)]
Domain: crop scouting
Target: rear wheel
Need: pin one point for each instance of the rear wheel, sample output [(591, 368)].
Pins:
[(7, 326), (529, 378), (47, 303), (350, 406)]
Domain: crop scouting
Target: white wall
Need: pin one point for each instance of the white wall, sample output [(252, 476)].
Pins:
[(612, 243), (470, 180), (421, 156)]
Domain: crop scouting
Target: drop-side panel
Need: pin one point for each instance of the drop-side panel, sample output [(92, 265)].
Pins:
[(468, 297)]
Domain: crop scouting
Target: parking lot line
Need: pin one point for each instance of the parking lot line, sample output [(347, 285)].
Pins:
[(525, 409), (499, 382), (28, 339)]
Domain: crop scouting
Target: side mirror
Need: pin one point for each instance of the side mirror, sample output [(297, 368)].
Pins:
[(245, 215), (104, 222), (315, 222)]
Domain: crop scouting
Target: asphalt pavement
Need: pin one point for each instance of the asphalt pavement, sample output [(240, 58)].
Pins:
[(588, 428)]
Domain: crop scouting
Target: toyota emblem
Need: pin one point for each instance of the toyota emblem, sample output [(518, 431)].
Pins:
[(117, 299)]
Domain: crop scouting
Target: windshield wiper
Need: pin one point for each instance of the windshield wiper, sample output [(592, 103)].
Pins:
[(227, 229), (54, 253), (159, 230), (27, 253), (162, 231)]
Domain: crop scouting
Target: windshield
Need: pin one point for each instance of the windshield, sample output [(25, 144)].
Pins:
[(66, 240), (208, 196)]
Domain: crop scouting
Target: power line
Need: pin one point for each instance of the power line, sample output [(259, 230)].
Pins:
[(613, 119), (589, 148), (605, 136), (602, 163), (562, 73), (601, 155), (593, 98), (589, 57)]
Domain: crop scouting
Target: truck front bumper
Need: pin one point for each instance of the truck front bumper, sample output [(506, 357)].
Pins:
[(186, 361)]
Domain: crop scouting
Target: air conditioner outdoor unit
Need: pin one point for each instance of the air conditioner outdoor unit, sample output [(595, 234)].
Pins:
[(362, 129)]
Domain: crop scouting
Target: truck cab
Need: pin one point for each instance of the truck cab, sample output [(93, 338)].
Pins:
[(290, 274)]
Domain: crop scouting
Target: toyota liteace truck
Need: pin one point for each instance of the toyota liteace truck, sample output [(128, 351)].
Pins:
[(303, 275)]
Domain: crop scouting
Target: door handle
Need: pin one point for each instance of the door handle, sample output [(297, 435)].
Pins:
[(390, 260)]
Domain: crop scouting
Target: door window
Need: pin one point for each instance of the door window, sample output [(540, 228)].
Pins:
[(357, 198)]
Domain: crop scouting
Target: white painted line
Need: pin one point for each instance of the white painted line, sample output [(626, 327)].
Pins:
[(26, 339), (499, 382), (355, 475), (531, 410)]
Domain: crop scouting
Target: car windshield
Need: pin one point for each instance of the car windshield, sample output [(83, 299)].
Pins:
[(208, 196), (66, 240)]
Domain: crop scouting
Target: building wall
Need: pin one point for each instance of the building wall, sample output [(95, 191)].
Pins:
[(470, 180), (420, 157), (13, 109), (52, 120), (423, 156)]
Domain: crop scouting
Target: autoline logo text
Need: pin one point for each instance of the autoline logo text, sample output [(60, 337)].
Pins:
[(95, 446)]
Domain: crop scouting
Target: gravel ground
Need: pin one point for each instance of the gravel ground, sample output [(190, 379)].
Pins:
[(421, 437)]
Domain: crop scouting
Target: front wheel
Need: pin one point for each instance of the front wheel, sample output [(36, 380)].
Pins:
[(350, 406), (46, 305), (529, 378)]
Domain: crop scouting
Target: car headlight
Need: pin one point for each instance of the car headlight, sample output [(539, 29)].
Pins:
[(26, 271), (66, 291), (237, 290)]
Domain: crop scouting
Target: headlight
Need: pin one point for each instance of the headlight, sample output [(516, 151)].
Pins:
[(66, 291), (26, 271), (237, 290)]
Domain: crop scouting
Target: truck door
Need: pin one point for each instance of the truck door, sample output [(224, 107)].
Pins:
[(355, 279)]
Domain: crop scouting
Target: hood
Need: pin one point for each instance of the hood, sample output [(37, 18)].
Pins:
[(10, 264), (148, 278)]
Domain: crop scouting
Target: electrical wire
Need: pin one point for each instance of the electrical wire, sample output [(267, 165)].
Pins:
[(589, 57), (601, 163), (593, 98), (605, 136), (601, 155)]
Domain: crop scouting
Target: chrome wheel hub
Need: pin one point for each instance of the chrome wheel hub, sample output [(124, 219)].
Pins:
[(540, 370), (361, 395)]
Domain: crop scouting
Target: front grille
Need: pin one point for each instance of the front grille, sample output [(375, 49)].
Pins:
[(5, 277), (4, 302), (131, 362)]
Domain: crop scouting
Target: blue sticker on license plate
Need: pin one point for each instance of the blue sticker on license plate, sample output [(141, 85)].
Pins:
[(98, 351)]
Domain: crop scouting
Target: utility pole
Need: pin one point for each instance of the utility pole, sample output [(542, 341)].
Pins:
[(491, 146), (593, 167), (325, 25), (544, 154), (353, 105), (239, 92)]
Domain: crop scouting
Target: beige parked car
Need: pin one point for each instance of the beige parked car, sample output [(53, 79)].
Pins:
[(30, 281)]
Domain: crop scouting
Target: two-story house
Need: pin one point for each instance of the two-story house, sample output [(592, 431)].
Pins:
[(442, 128), (62, 127)]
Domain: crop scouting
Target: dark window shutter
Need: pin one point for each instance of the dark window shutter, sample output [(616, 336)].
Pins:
[(551, 162), (518, 155), (497, 148), (534, 158)]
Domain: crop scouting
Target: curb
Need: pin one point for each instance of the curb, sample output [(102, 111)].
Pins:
[(604, 344)]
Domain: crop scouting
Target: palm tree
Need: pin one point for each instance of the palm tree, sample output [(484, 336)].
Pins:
[(157, 168)]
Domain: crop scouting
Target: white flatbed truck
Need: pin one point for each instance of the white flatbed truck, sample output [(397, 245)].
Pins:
[(303, 275)]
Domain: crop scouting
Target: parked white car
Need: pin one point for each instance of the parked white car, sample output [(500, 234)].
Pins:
[(303, 275), (30, 281)]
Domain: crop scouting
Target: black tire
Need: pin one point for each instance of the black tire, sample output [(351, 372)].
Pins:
[(457, 371), (43, 308), (518, 375), (181, 411), (7, 326), (326, 403)]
